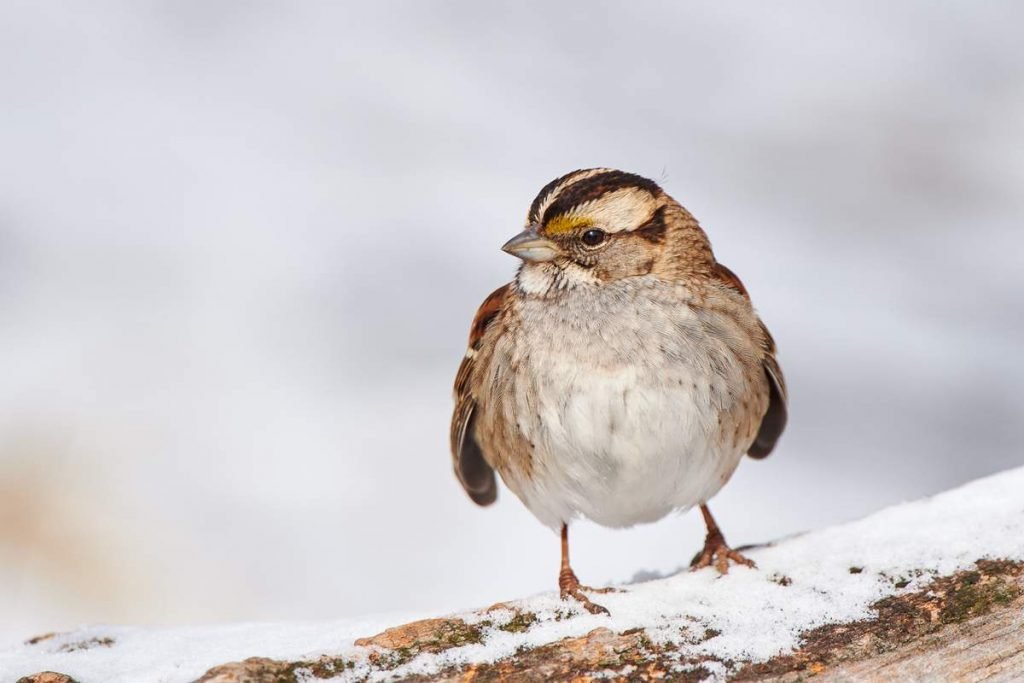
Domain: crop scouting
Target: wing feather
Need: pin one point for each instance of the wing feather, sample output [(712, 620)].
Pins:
[(471, 467), (774, 421)]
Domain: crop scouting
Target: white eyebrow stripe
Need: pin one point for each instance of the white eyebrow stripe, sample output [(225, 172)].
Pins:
[(623, 210)]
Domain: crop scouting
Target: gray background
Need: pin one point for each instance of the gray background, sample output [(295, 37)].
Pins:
[(241, 244)]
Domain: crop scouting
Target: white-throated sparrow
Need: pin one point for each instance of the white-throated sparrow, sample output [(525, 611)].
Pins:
[(622, 374)]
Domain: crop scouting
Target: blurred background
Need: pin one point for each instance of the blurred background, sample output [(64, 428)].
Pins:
[(241, 244)]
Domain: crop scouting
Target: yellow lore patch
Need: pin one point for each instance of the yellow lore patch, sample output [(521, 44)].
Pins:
[(565, 223)]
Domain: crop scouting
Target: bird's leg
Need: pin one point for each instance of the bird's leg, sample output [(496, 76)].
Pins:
[(716, 552), (568, 584)]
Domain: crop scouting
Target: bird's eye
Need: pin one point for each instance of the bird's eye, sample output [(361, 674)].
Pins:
[(593, 237)]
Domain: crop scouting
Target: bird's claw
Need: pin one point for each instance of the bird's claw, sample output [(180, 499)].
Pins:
[(717, 554), (587, 604), (570, 587)]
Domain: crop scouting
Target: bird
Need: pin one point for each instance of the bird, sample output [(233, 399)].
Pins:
[(621, 375)]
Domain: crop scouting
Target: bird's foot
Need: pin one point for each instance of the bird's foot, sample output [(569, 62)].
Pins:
[(569, 587), (717, 553)]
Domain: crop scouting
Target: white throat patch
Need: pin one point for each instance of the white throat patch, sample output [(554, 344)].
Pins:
[(543, 278)]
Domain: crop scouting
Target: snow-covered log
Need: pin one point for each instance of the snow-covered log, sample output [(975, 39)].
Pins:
[(930, 590)]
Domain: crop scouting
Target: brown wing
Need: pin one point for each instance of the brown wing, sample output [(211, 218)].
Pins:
[(774, 421), (472, 470)]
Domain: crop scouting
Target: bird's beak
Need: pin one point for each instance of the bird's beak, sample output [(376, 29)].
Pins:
[(530, 246)]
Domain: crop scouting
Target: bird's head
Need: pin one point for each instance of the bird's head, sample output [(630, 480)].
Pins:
[(600, 225)]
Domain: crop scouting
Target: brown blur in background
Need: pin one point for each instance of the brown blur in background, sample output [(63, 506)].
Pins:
[(241, 244)]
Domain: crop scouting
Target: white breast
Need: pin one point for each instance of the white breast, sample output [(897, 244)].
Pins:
[(624, 422)]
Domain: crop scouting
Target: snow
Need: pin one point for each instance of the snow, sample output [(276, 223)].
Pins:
[(757, 614), (179, 654)]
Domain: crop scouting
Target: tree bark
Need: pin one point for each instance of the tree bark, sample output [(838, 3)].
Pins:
[(964, 627)]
